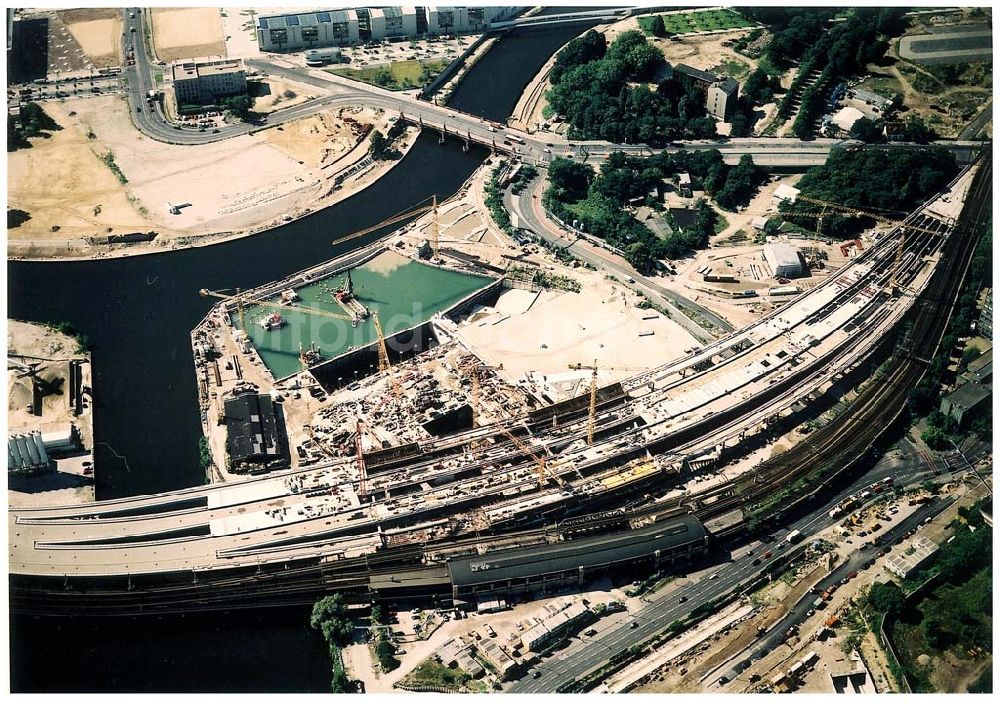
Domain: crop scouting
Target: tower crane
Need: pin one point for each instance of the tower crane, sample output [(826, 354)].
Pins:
[(395, 219), (383, 356), (543, 467), (362, 477), (878, 217), (242, 302)]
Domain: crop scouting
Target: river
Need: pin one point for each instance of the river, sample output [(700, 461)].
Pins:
[(138, 313)]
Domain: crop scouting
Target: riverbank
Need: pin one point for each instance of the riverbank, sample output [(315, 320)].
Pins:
[(276, 178), (49, 390)]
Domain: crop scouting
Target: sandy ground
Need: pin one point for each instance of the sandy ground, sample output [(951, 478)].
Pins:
[(98, 32), (61, 182), (68, 484), (273, 94), (189, 32), (237, 26), (564, 328)]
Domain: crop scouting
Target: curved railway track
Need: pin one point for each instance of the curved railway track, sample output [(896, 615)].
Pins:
[(796, 475)]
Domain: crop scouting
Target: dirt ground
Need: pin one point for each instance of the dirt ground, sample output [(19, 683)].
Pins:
[(188, 32), (563, 328), (98, 32), (273, 94), (38, 342), (321, 138), (61, 182)]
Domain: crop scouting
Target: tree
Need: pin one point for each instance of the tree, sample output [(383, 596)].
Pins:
[(916, 130), (329, 615), (935, 437), (339, 683), (867, 131), (569, 179), (657, 27), (640, 257), (758, 88), (643, 61), (376, 143), (887, 598), (741, 183), (377, 616), (584, 49)]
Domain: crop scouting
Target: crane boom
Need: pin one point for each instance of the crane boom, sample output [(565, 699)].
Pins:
[(241, 303), (395, 219), (543, 467)]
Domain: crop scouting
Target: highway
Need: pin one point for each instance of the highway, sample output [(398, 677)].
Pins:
[(616, 633)]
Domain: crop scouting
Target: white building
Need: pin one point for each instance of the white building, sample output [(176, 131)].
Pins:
[(845, 119), (721, 98), (308, 30), (783, 259), (907, 558), (784, 193), (196, 82)]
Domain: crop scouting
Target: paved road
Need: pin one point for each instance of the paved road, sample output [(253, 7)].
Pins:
[(976, 125), (582, 656), (528, 207), (536, 148)]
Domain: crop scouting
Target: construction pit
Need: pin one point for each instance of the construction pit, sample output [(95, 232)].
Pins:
[(465, 344)]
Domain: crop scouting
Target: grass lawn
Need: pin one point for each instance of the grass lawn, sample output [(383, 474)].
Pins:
[(706, 21), (433, 673), (882, 85), (733, 68), (398, 75)]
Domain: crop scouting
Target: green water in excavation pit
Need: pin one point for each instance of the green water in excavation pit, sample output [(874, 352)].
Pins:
[(402, 291)]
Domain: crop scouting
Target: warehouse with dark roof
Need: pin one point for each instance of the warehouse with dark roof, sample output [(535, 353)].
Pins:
[(257, 440), (553, 566)]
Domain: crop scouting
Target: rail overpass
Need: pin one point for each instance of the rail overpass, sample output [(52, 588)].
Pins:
[(295, 534)]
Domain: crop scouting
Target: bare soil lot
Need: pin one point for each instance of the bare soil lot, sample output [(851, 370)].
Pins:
[(98, 32), (188, 32), (61, 182)]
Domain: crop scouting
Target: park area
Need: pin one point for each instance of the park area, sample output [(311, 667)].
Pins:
[(187, 32), (398, 75), (691, 22)]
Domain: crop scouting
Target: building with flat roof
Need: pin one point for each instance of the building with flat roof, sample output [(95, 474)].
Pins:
[(534, 568), (986, 316), (308, 30), (905, 559), (256, 440), (967, 400), (783, 193), (784, 260), (199, 82)]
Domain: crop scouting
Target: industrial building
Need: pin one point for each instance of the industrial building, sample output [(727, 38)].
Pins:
[(201, 82), (558, 620), (549, 567), (26, 455), (784, 260), (843, 121), (256, 440), (291, 32)]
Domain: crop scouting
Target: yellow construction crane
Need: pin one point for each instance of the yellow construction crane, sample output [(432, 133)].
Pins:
[(857, 212), (383, 357), (434, 226), (242, 302), (543, 467), (383, 352), (395, 219), (471, 367), (592, 413)]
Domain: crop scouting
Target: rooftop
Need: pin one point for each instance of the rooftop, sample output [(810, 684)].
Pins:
[(696, 73), (846, 117), (586, 553)]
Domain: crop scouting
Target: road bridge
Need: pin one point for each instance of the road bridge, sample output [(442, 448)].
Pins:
[(781, 153), (309, 529)]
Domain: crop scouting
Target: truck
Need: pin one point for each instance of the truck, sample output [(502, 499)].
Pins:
[(794, 536)]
